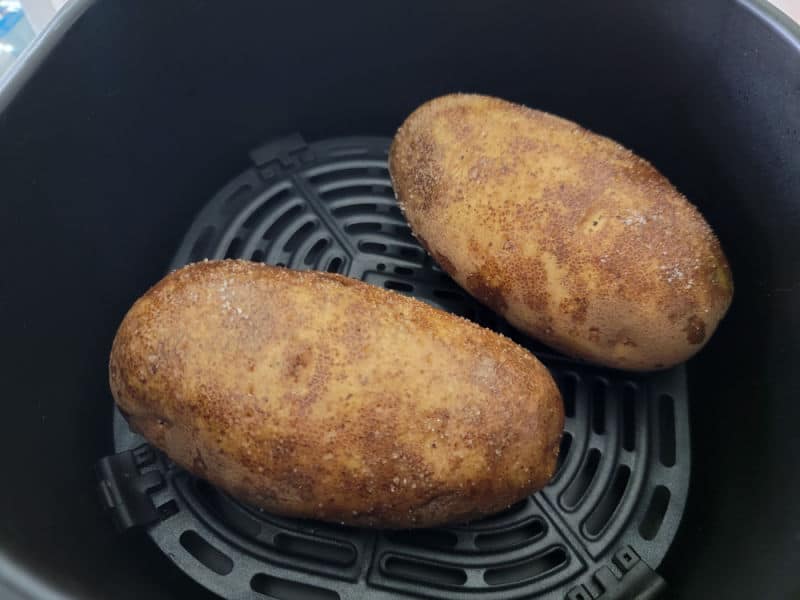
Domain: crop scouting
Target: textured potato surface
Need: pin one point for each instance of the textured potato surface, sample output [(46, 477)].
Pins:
[(571, 237), (315, 395)]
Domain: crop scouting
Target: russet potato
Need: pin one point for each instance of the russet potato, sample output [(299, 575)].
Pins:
[(314, 395), (568, 235)]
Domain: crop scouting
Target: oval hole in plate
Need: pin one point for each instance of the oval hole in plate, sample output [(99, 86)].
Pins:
[(205, 553)]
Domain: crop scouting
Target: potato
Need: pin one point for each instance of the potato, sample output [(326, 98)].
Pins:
[(314, 395), (568, 235)]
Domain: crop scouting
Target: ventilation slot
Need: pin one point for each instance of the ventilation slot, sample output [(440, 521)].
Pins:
[(335, 265), (569, 388), (490, 542), (399, 286), (257, 256), (411, 253), (449, 295), (364, 227), (582, 481), (316, 251), (282, 222), (403, 232), (529, 569), (225, 510), (629, 418), (266, 207), (234, 249), (206, 553), (604, 510), (599, 406), (504, 515), (403, 271), (293, 243), (340, 175), (354, 210), (318, 550), (563, 451), (345, 191), (200, 247), (423, 571), (666, 430), (654, 515), (372, 247), (283, 589), (426, 538)]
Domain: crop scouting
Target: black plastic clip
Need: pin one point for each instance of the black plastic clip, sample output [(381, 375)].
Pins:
[(125, 490), (628, 578)]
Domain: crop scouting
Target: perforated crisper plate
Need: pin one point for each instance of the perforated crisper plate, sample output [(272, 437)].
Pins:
[(596, 531)]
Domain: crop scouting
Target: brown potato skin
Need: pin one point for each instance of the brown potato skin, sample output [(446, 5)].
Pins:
[(315, 395), (571, 237)]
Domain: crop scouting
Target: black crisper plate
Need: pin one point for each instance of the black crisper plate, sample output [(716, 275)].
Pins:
[(598, 529)]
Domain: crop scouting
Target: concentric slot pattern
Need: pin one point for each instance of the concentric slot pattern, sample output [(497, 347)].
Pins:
[(622, 475)]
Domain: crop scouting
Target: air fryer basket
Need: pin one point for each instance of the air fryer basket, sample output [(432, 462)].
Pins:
[(601, 526), (117, 130)]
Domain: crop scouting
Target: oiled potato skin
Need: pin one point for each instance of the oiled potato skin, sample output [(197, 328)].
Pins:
[(314, 395), (568, 235)]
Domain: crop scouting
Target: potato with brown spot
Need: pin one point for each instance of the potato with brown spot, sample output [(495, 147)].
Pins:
[(314, 395), (571, 237)]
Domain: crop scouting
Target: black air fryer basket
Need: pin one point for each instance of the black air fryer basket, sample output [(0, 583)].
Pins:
[(138, 137)]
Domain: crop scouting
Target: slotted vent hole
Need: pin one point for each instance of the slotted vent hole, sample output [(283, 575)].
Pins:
[(205, 553), (599, 389), (449, 295), (362, 227), (654, 515), (349, 193), (404, 233), (354, 210), (525, 533), (411, 253), (283, 589), (604, 511), (666, 430), (318, 550), (629, 418), (504, 514), (563, 451), (583, 479), (569, 388), (224, 510), (529, 569), (266, 207), (316, 251), (293, 243), (414, 570), (340, 175), (282, 222), (234, 249), (335, 265), (258, 255), (427, 538), (399, 286), (372, 247)]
